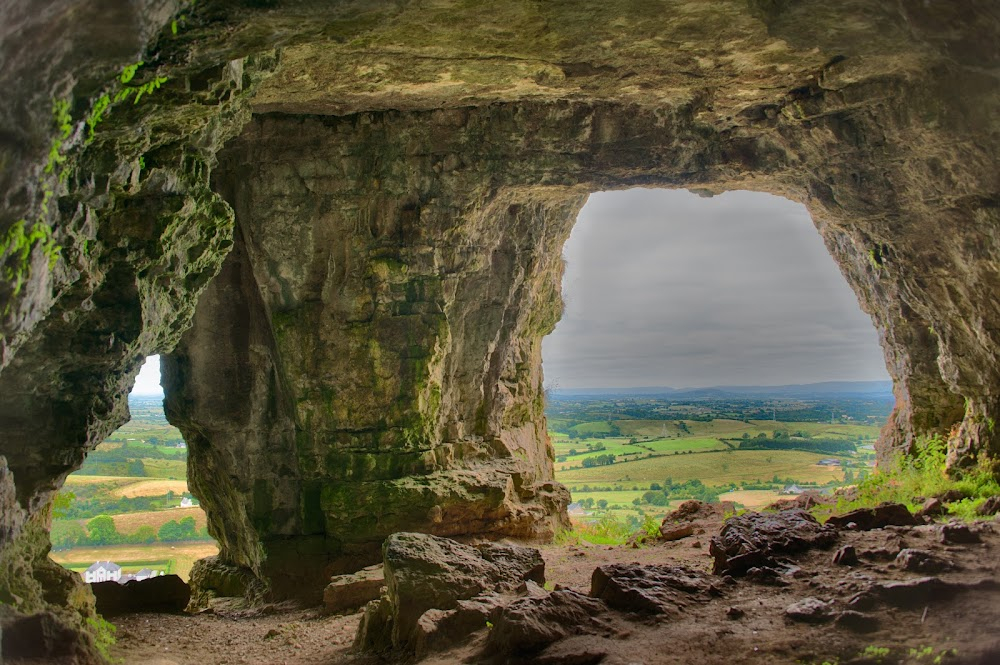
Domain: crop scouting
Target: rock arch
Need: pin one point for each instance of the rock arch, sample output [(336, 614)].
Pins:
[(383, 188)]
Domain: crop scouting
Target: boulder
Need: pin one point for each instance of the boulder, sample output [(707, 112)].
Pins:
[(44, 638), (922, 561), (809, 610), (755, 539), (440, 629), (424, 572), (165, 593), (650, 589), (846, 556), (213, 578), (955, 533), (989, 507), (353, 591), (883, 515), (932, 507), (526, 626)]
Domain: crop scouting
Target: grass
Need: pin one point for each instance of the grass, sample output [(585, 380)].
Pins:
[(152, 487), (671, 445), (129, 522), (712, 468), (182, 554), (909, 480), (752, 499), (163, 468)]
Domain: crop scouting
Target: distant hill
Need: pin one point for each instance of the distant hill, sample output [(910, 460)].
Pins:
[(870, 389)]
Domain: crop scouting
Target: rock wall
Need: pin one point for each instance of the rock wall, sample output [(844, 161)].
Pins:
[(368, 358)]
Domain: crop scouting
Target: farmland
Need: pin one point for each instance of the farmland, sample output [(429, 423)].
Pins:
[(628, 456), (125, 504), (174, 558)]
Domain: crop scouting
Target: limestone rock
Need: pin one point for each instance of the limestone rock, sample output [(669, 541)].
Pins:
[(526, 626), (213, 578), (866, 519), (44, 638), (164, 593), (354, 590), (955, 533), (809, 610), (846, 556), (990, 506), (922, 561), (753, 540), (425, 572), (649, 589)]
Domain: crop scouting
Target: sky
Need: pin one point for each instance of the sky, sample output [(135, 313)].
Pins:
[(148, 381), (666, 288)]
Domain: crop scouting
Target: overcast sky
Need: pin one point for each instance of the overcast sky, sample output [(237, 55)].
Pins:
[(148, 381), (666, 288)]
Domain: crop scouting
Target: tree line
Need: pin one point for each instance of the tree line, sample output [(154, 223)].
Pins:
[(102, 531)]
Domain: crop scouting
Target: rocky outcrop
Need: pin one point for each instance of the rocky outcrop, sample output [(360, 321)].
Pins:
[(426, 573), (164, 593), (388, 226), (758, 540)]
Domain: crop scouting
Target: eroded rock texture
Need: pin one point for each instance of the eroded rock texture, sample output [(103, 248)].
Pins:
[(388, 225)]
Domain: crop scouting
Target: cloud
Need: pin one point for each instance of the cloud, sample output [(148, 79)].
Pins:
[(663, 287)]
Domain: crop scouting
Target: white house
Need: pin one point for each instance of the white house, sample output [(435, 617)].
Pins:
[(186, 502), (102, 571)]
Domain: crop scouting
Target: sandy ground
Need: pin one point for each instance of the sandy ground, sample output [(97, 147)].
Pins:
[(706, 633)]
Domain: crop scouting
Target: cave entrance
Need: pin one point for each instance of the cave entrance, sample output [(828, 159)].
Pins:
[(127, 513), (709, 348)]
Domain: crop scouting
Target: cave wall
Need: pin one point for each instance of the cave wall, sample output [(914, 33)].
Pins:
[(369, 355)]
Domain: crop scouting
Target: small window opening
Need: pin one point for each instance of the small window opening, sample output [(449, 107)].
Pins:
[(127, 513)]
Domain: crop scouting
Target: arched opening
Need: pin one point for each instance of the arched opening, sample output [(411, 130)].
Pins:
[(127, 513), (710, 349)]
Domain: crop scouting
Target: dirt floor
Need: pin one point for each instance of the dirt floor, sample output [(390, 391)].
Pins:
[(746, 623)]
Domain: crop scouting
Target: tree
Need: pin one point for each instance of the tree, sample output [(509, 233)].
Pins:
[(170, 532), (135, 468), (602, 504), (61, 504), (67, 534), (102, 531), (144, 535)]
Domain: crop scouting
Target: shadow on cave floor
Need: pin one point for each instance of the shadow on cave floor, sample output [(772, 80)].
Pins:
[(746, 619)]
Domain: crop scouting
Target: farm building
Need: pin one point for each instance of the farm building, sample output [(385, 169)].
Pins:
[(102, 571)]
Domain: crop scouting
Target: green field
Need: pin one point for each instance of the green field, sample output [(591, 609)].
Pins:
[(162, 468), (712, 468), (680, 445)]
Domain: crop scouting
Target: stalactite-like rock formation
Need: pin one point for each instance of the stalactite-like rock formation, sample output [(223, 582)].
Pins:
[(383, 190)]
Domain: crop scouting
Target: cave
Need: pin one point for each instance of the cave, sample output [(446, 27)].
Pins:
[(341, 228)]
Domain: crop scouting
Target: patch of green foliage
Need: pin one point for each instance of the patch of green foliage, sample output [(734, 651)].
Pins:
[(607, 530), (911, 478), (104, 636)]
